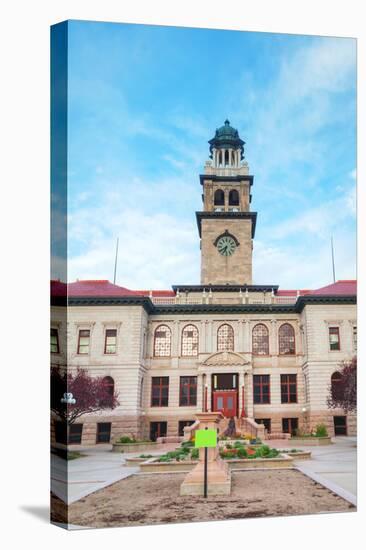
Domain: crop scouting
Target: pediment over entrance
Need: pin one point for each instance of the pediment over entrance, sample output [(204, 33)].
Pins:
[(224, 358)]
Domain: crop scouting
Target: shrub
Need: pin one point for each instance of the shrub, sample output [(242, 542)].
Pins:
[(229, 446), (321, 430), (238, 444), (194, 454), (145, 456), (126, 439), (164, 458), (187, 444), (242, 452)]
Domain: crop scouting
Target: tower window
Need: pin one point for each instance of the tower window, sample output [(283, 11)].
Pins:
[(234, 198), (226, 158), (219, 198), (225, 338)]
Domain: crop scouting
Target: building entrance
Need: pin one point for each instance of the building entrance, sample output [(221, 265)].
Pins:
[(225, 394)]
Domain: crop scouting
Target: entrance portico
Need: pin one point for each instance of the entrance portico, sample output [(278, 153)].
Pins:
[(226, 384)]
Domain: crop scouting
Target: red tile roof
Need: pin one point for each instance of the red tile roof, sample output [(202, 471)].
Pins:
[(99, 288), (339, 288), (302, 292)]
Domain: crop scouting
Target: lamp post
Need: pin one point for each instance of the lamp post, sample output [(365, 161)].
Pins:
[(304, 410), (68, 398)]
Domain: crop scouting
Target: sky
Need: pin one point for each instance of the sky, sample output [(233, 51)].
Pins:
[(143, 101)]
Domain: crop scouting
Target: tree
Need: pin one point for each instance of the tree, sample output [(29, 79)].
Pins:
[(91, 394), (343, 389)]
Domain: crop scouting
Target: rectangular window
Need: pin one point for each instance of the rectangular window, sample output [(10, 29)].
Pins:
[(110, 344), (75, 433), (261, 388), (55, 348), (288, 388), (290, 425), (84, 341), (266, 423), (182, 424), (188, 391), (354, 338), (158, 429), (159, 391), (103, 432), (334, 340)]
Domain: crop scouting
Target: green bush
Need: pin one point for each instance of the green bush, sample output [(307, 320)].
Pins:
[(145, 456), (194, 454), (238, 444), (187, 444), (242, 452), (164, 458), (126, 439), (228, 446), (321, 430)]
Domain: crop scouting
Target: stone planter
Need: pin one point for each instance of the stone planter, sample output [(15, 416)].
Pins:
[(133, 447), (281, 461), (135, 461), (302, 455), (309, 441), (152, 465)]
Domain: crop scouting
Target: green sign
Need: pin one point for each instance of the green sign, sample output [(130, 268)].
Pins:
[(205, 438)]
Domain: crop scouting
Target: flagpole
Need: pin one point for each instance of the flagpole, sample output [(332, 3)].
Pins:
[(115, 263), (333, 265)]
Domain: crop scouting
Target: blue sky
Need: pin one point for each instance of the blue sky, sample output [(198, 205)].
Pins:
[(144, 101)]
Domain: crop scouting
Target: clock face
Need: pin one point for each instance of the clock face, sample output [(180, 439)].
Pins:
[(226, 246)]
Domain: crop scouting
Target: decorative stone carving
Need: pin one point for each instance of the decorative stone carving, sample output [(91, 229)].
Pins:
[(224, 358)]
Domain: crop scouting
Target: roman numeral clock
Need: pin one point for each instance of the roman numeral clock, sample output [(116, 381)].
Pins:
[(226, 225)]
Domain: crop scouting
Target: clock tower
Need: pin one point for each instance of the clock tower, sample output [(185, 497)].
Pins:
[(226, 225)]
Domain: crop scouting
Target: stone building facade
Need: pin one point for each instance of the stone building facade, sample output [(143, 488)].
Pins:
[(257, 353)]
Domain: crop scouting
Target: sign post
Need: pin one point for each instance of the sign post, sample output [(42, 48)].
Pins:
[(204, 439)]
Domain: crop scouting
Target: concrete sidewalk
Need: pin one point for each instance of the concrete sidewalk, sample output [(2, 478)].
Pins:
[(74, 479), (334, 466)]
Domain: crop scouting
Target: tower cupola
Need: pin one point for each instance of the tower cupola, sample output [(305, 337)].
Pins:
[(226, 147)]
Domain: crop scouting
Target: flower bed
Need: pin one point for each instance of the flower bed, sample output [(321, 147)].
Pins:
[(238, 456)]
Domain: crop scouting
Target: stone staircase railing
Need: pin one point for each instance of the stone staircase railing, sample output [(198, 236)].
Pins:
[(248, 426)]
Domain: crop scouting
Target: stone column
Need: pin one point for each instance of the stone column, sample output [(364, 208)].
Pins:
[(175, 339), (199, 392), (249, 395), (273, 338), (246, 336), (209, 391), (241, 394)]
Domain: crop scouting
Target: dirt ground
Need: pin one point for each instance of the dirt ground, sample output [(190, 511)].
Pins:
[(153, 499)]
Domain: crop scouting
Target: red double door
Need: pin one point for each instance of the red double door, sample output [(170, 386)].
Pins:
[(226, 401)]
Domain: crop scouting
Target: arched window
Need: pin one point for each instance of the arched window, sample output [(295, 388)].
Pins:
[(233, 197), (190, 340), (219, 199), (336, 384), (225, 338), (108, 384), (260, 340), (226, 158), (162, 341), (286, 339)]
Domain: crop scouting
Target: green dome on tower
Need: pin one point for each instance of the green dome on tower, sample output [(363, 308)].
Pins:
[(227, 136)]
